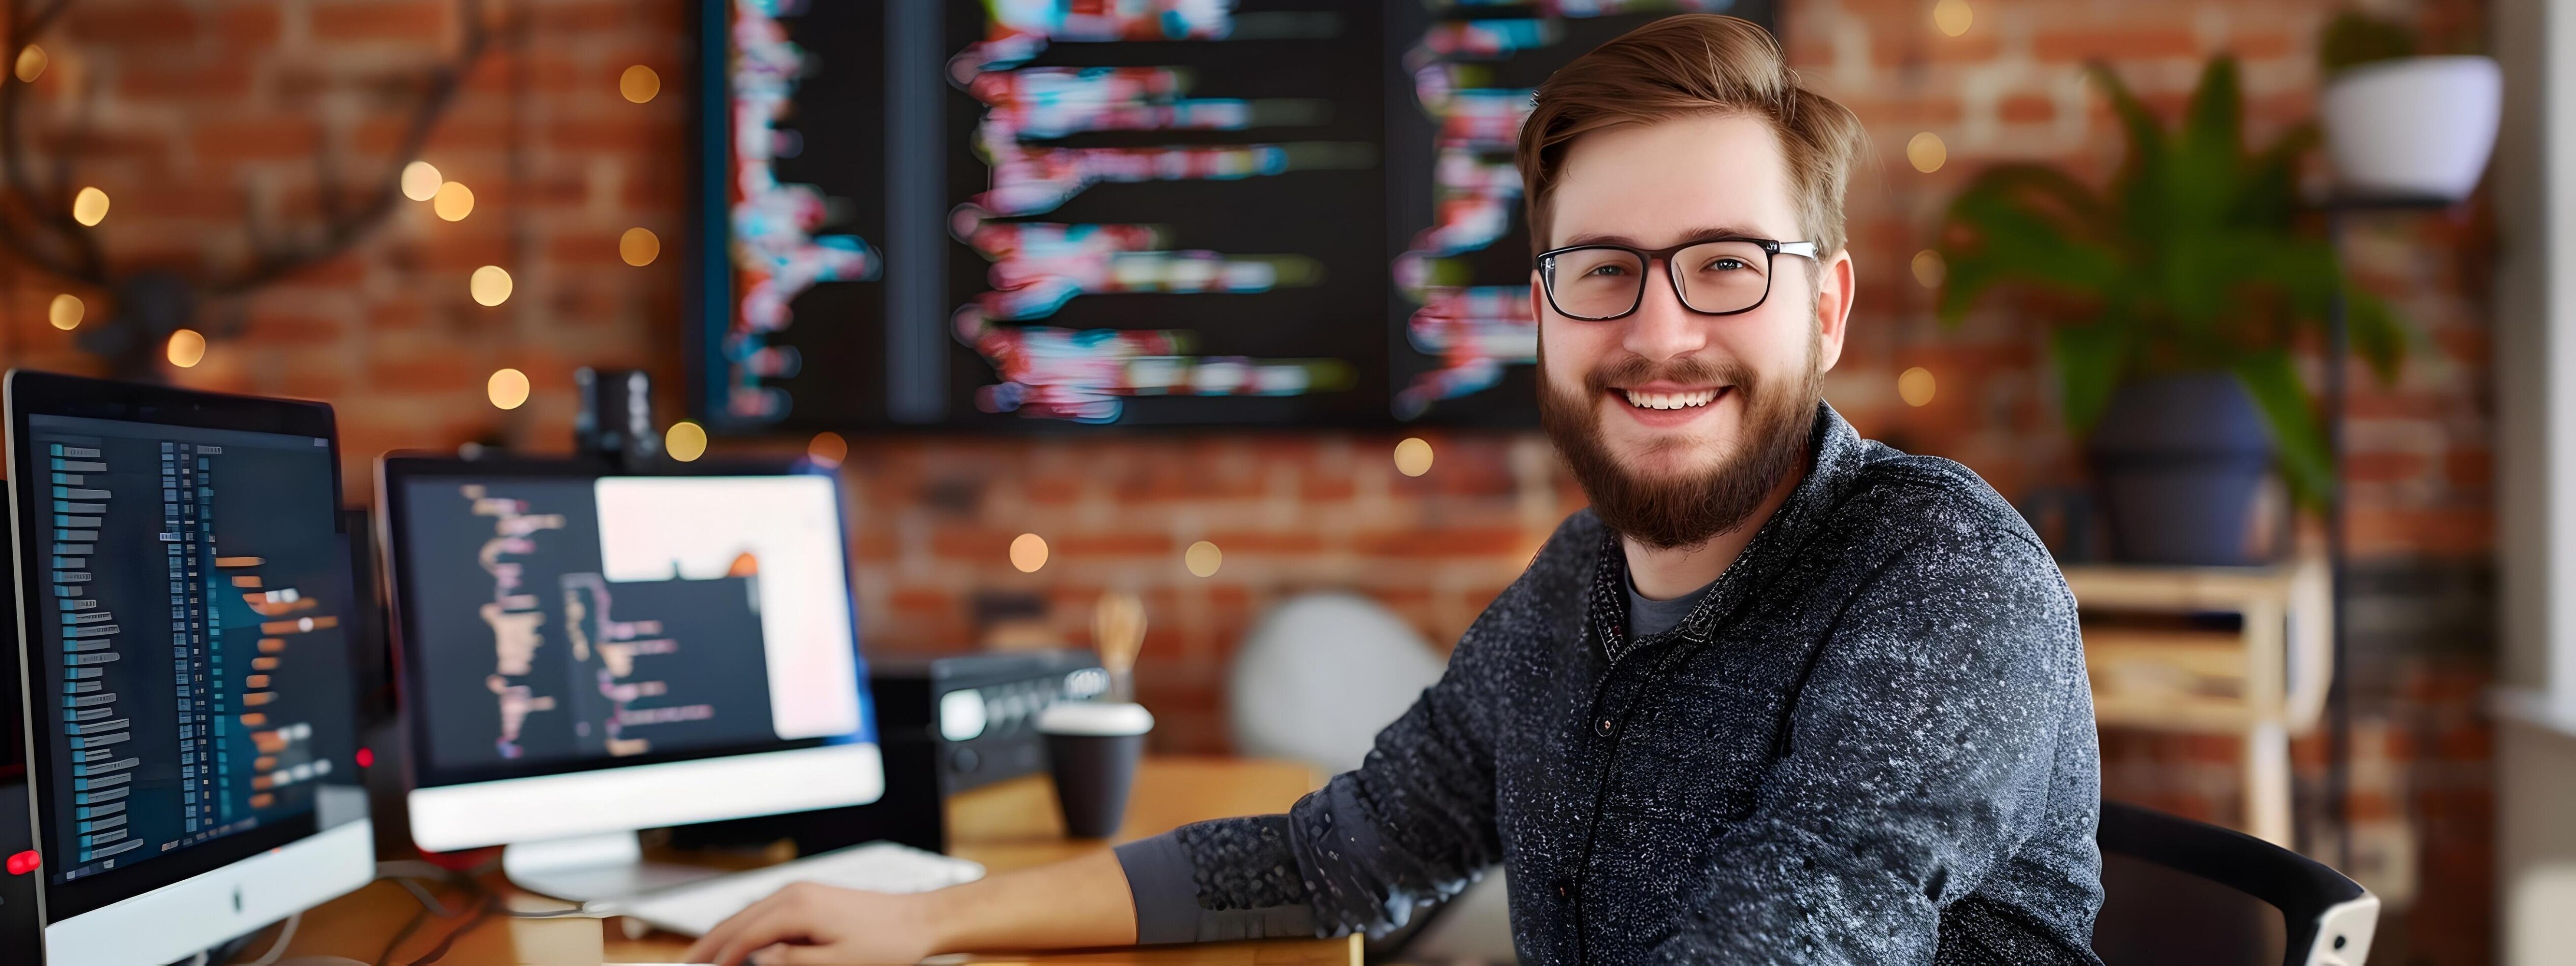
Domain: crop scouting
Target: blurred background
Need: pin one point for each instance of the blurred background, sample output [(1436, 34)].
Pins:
[(1319, 383)]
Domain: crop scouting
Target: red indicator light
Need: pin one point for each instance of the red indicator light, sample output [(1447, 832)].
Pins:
[(24, 862), (366, 757)]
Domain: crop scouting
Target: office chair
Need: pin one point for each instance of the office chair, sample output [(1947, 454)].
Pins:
[(2179, 891)]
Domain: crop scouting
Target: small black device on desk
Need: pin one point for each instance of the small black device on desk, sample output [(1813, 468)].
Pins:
[(946, 725)]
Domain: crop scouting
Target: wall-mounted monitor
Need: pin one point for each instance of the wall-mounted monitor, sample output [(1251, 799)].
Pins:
[(1030, 213)]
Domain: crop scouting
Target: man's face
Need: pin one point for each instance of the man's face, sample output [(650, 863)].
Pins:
[(1678, 423)]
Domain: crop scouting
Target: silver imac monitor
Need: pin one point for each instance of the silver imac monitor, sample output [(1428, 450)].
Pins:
[(189, 700), (582, 656)]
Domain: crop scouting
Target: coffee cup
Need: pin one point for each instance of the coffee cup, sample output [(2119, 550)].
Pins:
[(1092, 749)]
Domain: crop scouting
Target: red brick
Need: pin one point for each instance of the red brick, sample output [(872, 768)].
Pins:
[(266, 139), (294, 330), (1447, 542), (128, 25), (2027, 109), (427, 374), (247, 23), (147, 79), (1112, 545), (2123, 44), (421, 21)]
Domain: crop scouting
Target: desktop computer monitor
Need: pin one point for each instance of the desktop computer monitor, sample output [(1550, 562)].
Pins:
[(584, 655), (190, 723)]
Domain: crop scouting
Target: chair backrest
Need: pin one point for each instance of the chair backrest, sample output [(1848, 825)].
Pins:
[(1320, 674), (2176, 890)]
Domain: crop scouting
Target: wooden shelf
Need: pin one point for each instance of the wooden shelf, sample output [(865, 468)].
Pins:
[(2265, 681)]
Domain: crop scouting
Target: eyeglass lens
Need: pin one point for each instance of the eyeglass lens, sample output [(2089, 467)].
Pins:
[(1714, 277)]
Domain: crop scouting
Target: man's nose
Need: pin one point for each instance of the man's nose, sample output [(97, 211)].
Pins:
[(1662, 328)]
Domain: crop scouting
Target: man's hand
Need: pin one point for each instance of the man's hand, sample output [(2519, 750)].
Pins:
[(1080, 902), (809, 923)]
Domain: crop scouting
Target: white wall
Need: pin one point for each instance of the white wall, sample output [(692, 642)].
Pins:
[(2535, 196)]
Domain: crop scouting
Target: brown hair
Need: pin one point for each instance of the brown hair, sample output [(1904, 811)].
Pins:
[(1686, 65)]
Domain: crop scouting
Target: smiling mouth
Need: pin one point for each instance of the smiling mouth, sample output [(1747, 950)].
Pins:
[(1686, 399)]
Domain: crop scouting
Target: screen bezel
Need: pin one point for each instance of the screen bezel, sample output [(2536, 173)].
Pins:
[(394, 473), (31, 393)]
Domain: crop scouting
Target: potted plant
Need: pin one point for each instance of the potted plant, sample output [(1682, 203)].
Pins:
[(2179, 294), (2399, 124)]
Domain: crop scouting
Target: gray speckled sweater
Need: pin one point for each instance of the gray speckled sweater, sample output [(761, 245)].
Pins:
[(1870, 742)]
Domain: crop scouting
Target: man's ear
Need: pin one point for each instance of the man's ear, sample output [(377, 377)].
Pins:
[(1833, 308)]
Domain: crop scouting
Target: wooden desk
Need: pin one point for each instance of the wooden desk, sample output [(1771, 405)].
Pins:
[(1012, 825)]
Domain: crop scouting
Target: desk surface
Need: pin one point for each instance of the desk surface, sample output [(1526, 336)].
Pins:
[(1012, 825)]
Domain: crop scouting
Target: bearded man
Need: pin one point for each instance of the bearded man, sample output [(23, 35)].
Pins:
[(1781, 694)]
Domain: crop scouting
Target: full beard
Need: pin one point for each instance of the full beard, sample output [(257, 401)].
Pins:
[(1688, 508)]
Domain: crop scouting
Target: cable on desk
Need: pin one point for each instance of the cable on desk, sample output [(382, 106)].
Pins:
[(483, 912), (278, 948)]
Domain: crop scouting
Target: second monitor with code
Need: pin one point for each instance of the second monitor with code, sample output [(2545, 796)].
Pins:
[(586, 655)]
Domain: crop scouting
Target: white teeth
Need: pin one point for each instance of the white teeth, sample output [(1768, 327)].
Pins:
[(1670, 400)]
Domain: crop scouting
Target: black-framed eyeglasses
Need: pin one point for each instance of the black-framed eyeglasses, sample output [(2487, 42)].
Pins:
[(1712, 276)]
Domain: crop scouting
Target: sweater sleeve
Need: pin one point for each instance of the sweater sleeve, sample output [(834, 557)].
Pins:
[(1412, 826), (1921, 754)]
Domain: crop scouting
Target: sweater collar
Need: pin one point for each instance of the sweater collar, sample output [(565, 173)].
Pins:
[(1836, 455)]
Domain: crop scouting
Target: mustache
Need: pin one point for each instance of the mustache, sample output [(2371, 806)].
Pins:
[(1637, 370)]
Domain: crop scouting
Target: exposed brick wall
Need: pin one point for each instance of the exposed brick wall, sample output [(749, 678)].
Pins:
[(206, 113)]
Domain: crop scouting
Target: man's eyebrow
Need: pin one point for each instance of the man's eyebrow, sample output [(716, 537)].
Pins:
[(1696, 234)]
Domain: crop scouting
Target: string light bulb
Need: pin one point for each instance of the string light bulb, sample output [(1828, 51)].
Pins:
[(66, 311), (490, 285), (639, 247), (1413, 456), (1953, 16), (1203, 558), (639, 83), (1916, 386), (421, 181), (89, 207), (453, 201), (828, 449), (1028, 553), (508, 388), (685, 441), (1926, 152), (187, 348), (31, 63), (1930, 269)]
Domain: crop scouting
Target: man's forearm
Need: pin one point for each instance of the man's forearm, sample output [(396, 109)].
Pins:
[(1080, 902)]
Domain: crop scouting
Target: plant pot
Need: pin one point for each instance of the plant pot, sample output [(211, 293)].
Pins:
[(2180, 461), (2419, 126)]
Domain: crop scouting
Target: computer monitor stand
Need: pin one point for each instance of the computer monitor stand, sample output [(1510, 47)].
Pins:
[(594, 868)]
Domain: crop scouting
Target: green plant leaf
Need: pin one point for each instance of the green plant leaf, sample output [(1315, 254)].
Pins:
[(2272, 378), (2090, 361), (2377, 336)]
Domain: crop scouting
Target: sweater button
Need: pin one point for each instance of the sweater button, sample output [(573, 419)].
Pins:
[(1602, 728)]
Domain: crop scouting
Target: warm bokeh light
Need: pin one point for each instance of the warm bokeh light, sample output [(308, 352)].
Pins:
[(1916, 386), (685, 441), (491, 285), (1028, 552), (827, 449), (453, 201), (1926, 152), (31, 63), (639, 247), (420, 181), (66, 311), (1203, 558), (187, 348), (1953, 16), (90, 206), (1930, 269), (507, 388), (639, 83), (1413, 456)]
